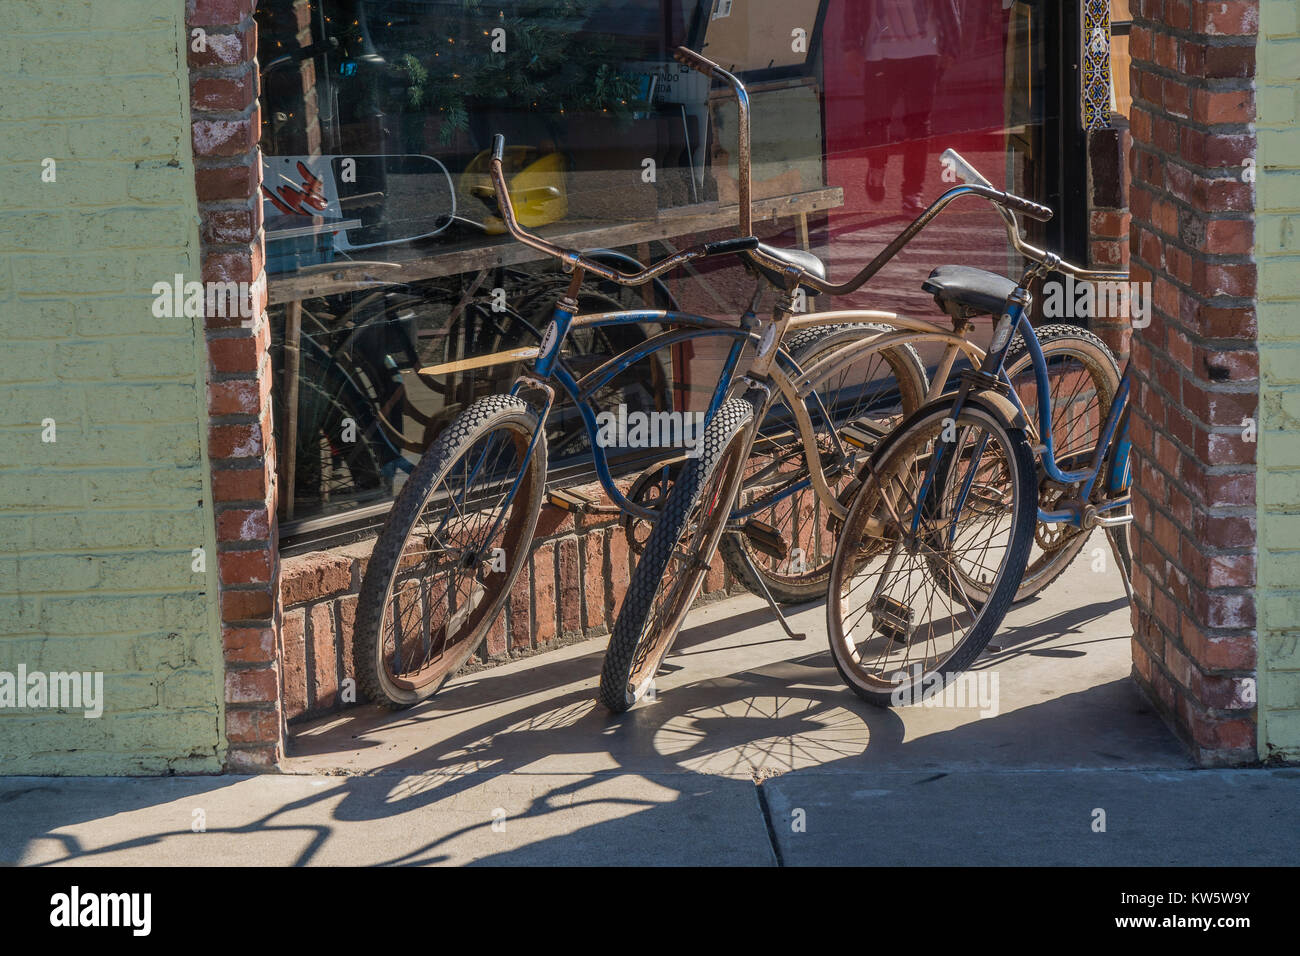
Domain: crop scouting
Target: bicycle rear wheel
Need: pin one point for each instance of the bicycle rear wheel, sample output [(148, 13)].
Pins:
[(452, 546), (1082, 381), (897, 614), (883, 386), (676, 559)]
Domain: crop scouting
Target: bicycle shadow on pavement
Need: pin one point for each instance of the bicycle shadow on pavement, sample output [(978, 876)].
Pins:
[(524, 747)]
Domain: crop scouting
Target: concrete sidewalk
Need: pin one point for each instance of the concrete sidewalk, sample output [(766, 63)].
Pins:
[(753, 754)]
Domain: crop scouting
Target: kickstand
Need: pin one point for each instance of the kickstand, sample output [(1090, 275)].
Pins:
[(785, 625), (1114, 550)]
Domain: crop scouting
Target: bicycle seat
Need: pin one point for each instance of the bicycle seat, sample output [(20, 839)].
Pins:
[(792, 257), (977, 291)]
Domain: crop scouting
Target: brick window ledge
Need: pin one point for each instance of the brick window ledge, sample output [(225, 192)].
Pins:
[(569, 590)]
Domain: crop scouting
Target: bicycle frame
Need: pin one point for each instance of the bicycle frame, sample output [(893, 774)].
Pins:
[(1114, 436), (1114, 432), (793, 382), (548, 366), (785, 376)]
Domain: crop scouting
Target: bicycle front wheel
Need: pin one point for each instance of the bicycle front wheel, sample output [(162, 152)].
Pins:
[(453, 544), (898, 614), (676, 558)]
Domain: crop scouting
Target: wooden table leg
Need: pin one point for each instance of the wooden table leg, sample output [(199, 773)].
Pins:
[(801, 227), (292, 364)]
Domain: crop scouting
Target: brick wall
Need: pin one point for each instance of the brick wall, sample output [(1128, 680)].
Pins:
[(287, 629), (1197, 370), (1277, 252), (99, 527), (1108, 223), (570, 590), (226, 124)]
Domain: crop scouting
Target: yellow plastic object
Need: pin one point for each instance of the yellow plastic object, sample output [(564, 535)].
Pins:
[(536, 186)]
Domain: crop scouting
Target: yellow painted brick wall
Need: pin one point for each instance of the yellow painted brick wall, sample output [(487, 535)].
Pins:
[(98, 527), (1277, 252)]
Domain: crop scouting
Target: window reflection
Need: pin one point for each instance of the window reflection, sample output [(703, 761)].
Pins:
[(385, 250)]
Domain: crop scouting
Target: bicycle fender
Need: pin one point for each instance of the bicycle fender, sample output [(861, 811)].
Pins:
[(482, 361), (995, 403)]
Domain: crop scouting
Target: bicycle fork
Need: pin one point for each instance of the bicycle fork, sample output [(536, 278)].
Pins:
[(989, 376), (757, 394)]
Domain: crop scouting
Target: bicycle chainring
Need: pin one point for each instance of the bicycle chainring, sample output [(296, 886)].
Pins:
[(649, 490)]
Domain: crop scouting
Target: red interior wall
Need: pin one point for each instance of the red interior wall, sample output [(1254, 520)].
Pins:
[(968, 115)]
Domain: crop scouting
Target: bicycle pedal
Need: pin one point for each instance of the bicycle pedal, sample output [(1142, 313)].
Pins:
[(568, 500), (863, 433), (1114, 520), (765, 538), (892, 619)]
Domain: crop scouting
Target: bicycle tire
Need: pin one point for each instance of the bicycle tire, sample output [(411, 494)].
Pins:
[(1092, 353), (458, 441), (901, 451), (643, 633), (1119, 535)]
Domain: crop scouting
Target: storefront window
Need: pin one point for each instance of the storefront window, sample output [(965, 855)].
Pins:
[(386, 255)]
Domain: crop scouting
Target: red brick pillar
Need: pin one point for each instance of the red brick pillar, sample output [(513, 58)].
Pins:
[(225, 121), (1108, 224), (1197, 370)]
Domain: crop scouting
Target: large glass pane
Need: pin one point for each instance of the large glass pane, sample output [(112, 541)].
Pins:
[(386, 254)]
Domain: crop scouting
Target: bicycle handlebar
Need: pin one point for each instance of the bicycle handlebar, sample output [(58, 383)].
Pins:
[(702, 64), (973, 176), (1001, 200), (578, 260), (745, 242), (699, 63)]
